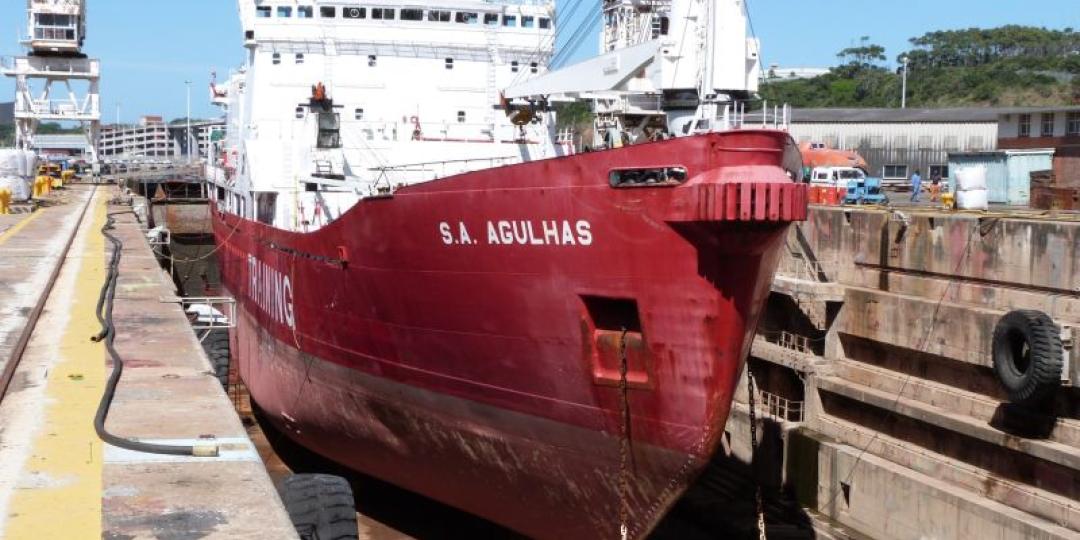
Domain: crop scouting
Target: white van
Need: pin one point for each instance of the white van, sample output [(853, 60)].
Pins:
[(835, 176)]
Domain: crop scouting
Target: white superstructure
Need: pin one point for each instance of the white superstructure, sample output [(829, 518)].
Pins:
[(340, 100), (411, 93), (55, 82)]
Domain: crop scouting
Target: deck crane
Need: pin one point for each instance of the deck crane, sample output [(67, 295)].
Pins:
[(666, 68), (56, 32)]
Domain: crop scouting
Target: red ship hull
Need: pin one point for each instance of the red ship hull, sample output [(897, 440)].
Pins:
[(464, 338)]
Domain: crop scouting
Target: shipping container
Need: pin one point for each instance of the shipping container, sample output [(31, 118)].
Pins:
[(1008, 172)]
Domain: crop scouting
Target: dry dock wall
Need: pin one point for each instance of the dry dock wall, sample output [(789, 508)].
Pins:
[(903, 431)]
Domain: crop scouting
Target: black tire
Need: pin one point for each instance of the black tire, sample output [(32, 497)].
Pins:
[(216, 346), (1028, 355), (321, 506)]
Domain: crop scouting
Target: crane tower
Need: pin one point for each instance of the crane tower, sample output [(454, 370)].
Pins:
[(50, 79)]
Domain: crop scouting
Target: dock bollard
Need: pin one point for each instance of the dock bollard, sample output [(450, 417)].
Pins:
[(5, 201)]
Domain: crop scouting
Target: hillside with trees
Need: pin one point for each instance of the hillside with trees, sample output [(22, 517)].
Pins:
[(1006, 66)]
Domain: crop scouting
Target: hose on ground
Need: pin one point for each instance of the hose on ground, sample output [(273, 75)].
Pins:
[(108, 336)]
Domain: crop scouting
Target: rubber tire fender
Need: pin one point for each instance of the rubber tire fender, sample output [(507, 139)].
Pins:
[(1027, 354), (321, 506), (216, 346)]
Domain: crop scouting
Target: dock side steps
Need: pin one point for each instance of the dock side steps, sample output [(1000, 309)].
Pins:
[(321, 506)]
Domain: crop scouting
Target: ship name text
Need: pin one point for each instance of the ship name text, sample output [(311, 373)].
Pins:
[(520, 233), (272, 291)]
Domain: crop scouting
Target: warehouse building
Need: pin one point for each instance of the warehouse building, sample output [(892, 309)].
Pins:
[(897, 142)]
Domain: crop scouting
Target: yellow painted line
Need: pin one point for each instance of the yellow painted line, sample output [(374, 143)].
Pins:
[(10, 233), (59, 495)]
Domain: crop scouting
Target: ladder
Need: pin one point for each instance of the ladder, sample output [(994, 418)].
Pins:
[(492, 37)]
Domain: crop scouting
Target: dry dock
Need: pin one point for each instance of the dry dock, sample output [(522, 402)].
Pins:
[(57, 479), (873, 365)]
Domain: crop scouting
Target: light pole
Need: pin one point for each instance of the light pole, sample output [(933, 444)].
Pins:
[(903, 89), (187, 139)]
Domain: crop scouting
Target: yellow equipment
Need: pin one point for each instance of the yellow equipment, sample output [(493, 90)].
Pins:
[(5, 201), (948, 200)]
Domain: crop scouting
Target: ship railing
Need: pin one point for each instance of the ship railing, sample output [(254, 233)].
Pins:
[(735, 116), (441, 168), (798, 266), (780, 408), (795, 342)]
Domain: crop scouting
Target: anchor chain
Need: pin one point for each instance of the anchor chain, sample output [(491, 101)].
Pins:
[(624, 442), (758, 500)]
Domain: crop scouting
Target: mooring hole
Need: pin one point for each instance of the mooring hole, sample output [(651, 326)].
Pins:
[(614, 314)]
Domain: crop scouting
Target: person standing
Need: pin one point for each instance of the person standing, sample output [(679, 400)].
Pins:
[(916, 186), (935, 187)]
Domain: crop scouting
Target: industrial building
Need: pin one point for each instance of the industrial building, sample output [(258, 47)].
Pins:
[(149, 138), (1057, 128), (63, 146), (898, 142)]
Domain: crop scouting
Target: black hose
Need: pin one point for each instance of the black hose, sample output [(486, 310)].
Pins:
[(108, 335)]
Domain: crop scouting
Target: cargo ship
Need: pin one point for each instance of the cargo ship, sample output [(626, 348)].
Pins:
[(435, 287)]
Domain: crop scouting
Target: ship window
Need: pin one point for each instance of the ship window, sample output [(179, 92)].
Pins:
[(545, 23), (491, 19), (449, 63), (354, 13), (262, 12), (358, 114), (461, 117), (266, 207), (329, 130), (438, 16), (305, 12), (299, 58), (939, 170), (382, 13), (299, 112), (412, 14), (510, 20), (284, 11), (528, 22), (276, 58), (466, 17), (328, 12), (514, 66), (372, 60), (534, 67)]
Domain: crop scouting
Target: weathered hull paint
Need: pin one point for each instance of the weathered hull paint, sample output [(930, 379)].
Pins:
[(432, 340)]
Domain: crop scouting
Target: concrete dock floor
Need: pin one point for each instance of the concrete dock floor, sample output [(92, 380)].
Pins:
[(57, 479)]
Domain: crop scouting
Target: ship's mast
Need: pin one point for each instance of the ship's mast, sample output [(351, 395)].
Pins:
[(56, 31)]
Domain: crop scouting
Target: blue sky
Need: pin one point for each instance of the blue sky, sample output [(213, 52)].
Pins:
[(149, 47)]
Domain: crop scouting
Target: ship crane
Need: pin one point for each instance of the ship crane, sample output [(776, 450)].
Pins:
[(674, 61), (56, 32)]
